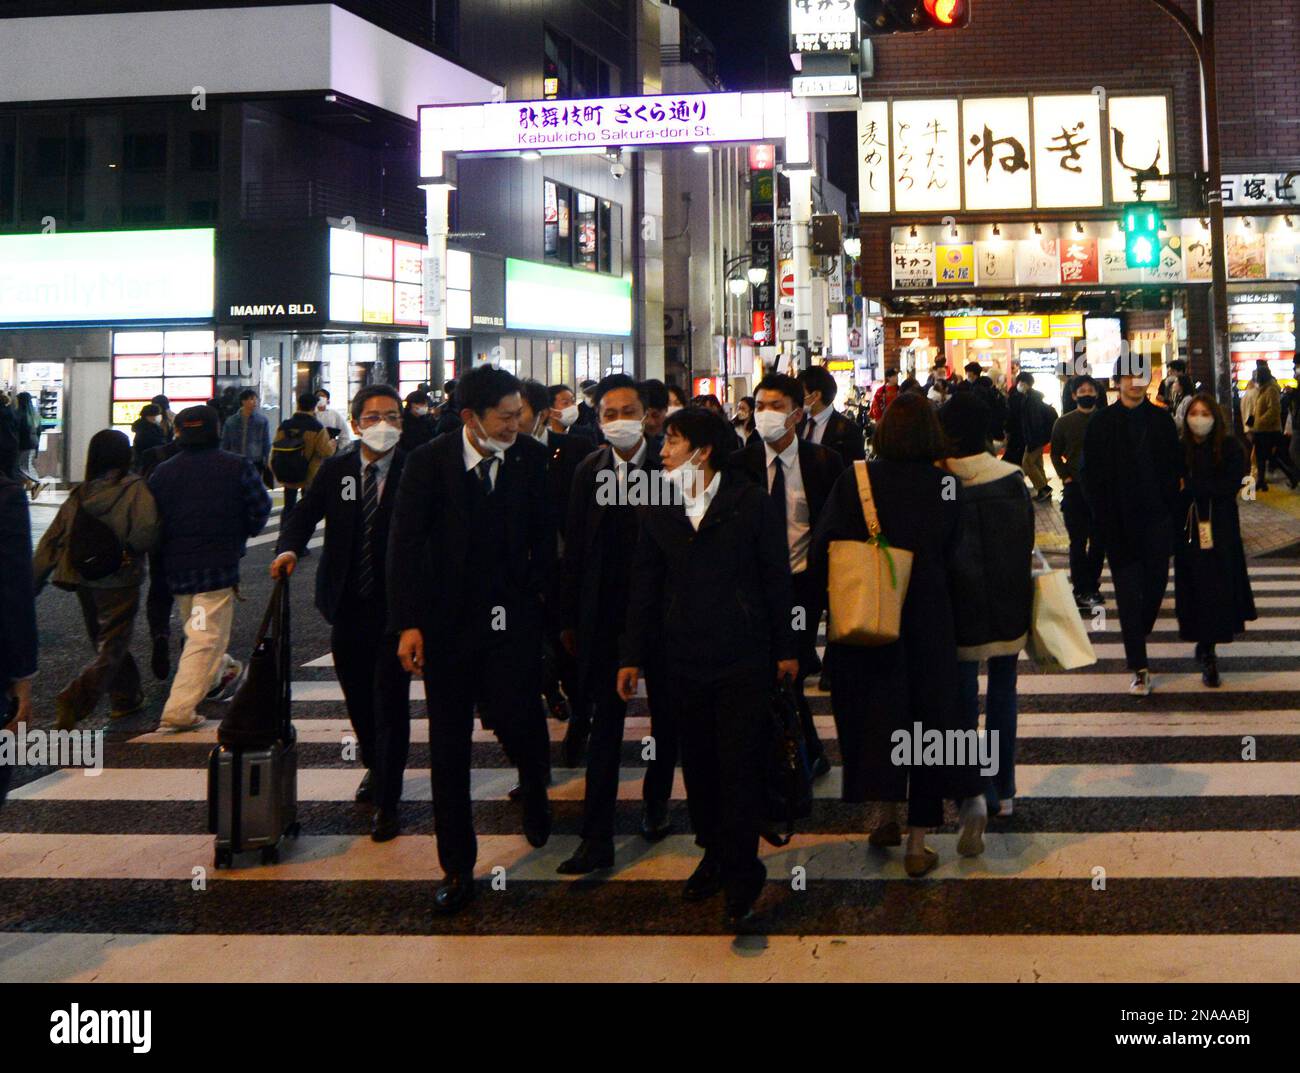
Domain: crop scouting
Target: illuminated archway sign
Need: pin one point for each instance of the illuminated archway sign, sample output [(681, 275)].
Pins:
[(595, 125), (602, 123)]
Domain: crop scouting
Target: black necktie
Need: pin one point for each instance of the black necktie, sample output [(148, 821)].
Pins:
[(369, 511), (484, 473), (778, 489)]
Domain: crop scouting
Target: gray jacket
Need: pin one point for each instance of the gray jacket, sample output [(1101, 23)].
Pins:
[(127, 507)]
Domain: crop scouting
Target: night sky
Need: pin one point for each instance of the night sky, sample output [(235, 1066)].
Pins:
[(753, 44)]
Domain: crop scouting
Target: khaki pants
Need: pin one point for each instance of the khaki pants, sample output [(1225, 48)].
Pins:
[(109, 615), (1032, 464), (208, 617)]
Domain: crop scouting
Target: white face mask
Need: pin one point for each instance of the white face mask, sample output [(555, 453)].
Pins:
[(771, 425), (1200, 424), (936, 395), (419, 411), (684, 478), (381, 438), (623, 434), (157, 419), (1023, 388), (567, 416), (488, 443), (322, 405)]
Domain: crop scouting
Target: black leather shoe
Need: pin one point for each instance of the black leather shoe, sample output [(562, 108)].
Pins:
[(655, 825), (454, 893), (558, 708), (385, 826), (160, 661), (821, 766), (591, 856), (365, 794), (705, 881), (537, 817)]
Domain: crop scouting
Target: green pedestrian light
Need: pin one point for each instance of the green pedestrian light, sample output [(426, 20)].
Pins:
[(1142, 227)]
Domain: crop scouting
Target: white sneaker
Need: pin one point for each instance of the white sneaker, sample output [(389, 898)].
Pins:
[(973, 818), (1141, 685), (226, 685), (1006, 806)]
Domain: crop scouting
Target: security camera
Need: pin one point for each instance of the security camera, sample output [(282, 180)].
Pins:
[(618, 169)]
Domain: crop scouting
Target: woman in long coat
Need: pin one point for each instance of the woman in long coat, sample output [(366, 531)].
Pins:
[(1212, 593), (896, 687)]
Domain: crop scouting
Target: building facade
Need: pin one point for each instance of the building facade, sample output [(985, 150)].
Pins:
[(994, 164)]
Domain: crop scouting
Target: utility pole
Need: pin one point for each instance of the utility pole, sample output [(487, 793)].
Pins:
[(1201, 33)]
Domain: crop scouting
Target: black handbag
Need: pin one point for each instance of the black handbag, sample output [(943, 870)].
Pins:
[(259, 713), (788, 792)]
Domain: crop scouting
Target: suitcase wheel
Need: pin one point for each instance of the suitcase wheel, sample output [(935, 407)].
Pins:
[(295, 829), (270, 854), (222, 859)]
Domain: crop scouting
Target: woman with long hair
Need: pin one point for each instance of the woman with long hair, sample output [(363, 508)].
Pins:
[(1212, 594), (120, 500), (29, 442), (910, 687)]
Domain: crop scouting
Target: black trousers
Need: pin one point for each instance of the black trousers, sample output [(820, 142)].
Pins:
[(1086, 550), (605, 749), (506, 680), (158, 604), (377, 691), (723, 740), (1141, 577), (1269, 449), (290, 499), (806, 596)]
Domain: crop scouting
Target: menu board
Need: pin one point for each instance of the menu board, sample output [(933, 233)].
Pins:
[(179, 364), (375, 279)]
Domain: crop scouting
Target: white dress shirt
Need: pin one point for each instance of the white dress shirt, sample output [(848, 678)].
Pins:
[(473, 458), (798, 520), (817, 426), (636, 461), (698, 507), (334, 420)]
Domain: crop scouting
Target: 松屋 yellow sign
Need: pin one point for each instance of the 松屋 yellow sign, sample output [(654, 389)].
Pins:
[(1064, 325), (955, 263)]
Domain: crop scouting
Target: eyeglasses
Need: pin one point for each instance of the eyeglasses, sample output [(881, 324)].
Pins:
[(372, 419)]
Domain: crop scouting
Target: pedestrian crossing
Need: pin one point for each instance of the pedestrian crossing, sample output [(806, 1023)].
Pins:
[(1143, 846)]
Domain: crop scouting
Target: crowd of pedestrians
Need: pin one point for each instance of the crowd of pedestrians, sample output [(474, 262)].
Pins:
[(515, 549)]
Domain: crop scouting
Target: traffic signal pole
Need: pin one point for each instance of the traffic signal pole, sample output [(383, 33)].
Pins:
[(1201, 34)]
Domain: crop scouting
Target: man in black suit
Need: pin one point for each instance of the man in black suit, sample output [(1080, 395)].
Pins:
[(824, 425), (711, 590), (598, 551), (798, 475), (354, 493), (563, 453), (470, 558)]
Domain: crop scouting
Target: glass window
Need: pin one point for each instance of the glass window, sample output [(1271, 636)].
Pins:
[(203, 150), (585, 232), (550, 220), (144, 151), (606, 218), (555, 66), (541, 364)]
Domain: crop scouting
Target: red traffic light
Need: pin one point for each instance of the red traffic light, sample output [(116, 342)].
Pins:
[(948, 12)]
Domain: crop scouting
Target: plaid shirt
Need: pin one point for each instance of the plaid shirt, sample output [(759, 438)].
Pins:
[(257, 508)]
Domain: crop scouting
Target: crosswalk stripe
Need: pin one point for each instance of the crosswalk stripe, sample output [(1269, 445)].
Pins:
[(1042, 855), (492, 784), (315, 692), (1029, 725), (810, 958)]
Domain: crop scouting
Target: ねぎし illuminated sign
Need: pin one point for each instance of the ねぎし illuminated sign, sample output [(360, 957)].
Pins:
[(106, 276), (540, 298)]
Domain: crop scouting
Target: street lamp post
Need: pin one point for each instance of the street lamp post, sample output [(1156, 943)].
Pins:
[(1201, 33)]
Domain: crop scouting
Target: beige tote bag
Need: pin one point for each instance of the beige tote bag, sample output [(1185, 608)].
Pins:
[(1058, 639), (868, 581)]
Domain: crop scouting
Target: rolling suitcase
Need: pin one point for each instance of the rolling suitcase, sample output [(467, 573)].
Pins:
[(253, 772)]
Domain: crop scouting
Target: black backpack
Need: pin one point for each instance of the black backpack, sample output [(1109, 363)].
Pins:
[(289, 455), (94, 551)]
